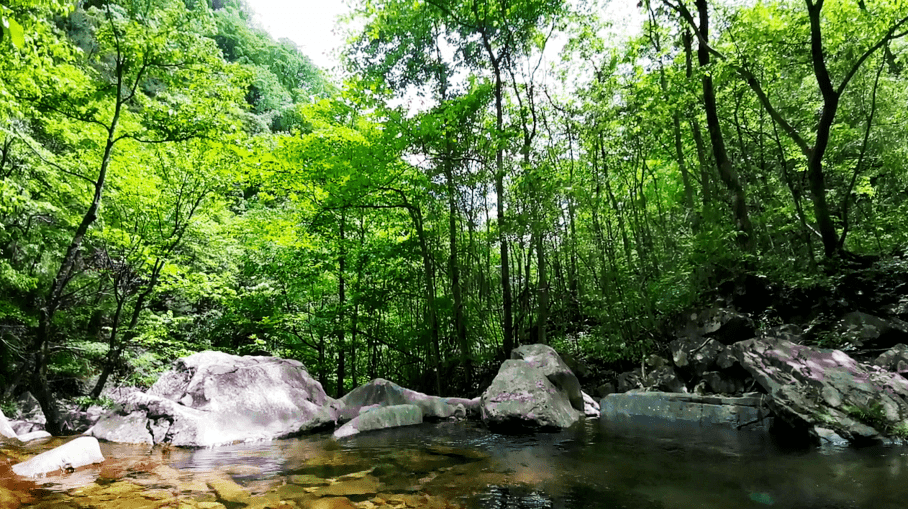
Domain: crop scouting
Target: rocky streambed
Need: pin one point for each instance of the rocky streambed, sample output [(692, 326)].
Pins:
[(594, 464)]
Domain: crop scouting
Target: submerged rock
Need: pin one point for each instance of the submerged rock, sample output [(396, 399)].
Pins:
[(383, 393), (521, 396), (815, 388), (213, 398), (381, 418), (66, 458)]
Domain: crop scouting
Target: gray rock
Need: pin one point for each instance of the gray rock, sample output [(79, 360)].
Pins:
[(697, 354), (726, 326), (381, 418), (734, 413), (814, 388), (630, 380), (575, 364), (521, 396), (726, 359), (22, 427), (895, 359), (29, 409), (788, 332), (5, 429), (545, 358), (664, 379), (863, 330), (720, 384), (213, 398), (381, 393), (34, 435), (66, 458), (605, 389)]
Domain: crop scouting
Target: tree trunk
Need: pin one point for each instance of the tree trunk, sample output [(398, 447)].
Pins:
[(341, 314), (726, 170)]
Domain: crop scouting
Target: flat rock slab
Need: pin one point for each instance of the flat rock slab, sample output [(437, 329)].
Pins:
[(69, 456), (815, 388), (745, 413), (381, 418)]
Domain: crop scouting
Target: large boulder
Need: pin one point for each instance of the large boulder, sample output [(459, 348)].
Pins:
[(522, 397), (556, 370), (213, 398), (827, 390), (381, 418), (5, 429), (66, 458), (382, 393)]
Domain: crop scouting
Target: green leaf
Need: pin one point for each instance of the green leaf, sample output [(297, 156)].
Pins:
[(16, 34)]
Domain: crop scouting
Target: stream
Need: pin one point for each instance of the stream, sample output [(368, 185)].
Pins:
[(595, 464)]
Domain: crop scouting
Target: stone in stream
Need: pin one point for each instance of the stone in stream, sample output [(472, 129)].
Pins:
[(34, 435), (5, 429), (813, 388), (734, 413), (546, 359), (381, 418), (522, 397), (65, 458), (213, 398), (382, 393)]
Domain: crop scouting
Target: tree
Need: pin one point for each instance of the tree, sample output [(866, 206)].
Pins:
[(154, 82), (894, 25)]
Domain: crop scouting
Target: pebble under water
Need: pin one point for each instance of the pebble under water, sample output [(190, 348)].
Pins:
[(639, 465)]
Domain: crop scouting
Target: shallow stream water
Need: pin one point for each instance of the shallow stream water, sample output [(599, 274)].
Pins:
[(461, 464)]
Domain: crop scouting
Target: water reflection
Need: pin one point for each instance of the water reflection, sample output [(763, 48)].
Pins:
[(593, 465)]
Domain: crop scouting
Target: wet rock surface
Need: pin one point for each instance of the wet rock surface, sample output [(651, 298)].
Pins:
[(381, 418), (213, 398), (65, 458)]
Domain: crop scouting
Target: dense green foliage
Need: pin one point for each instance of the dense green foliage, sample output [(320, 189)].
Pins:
[(490, 173)]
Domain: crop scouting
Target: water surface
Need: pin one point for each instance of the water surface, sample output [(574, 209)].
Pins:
[(595, 464)]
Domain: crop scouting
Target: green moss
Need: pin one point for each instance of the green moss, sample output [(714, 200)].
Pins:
[(874, 415)]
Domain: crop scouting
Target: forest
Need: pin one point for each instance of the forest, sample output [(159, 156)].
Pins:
[(480, 174)]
